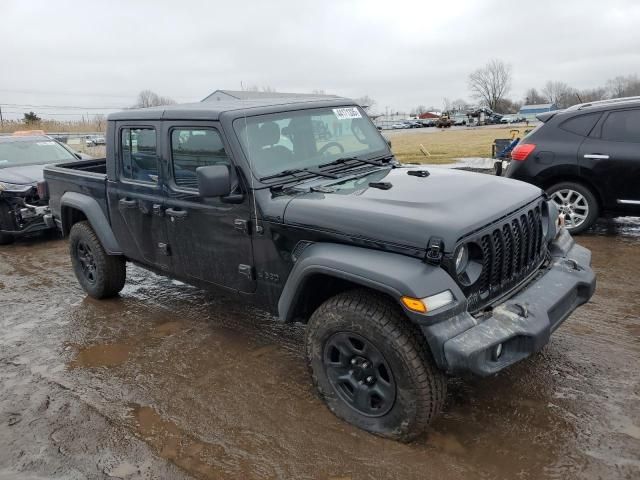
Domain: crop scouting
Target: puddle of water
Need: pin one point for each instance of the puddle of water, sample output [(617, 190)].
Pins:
[(172, 443), (167, 329), (109, 355)]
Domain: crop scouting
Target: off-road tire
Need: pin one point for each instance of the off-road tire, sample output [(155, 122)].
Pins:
[(420, 385), (592, 202), (109, 272), (6, 238)]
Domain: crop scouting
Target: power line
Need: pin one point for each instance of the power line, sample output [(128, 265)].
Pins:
[(81, 94), (21, 105)]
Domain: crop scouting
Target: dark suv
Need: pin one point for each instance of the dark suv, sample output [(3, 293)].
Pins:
[(587, 158)]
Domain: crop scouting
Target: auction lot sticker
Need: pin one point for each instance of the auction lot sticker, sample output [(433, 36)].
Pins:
[(346, 113)]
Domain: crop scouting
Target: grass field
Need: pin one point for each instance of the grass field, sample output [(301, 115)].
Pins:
[(444, 146)]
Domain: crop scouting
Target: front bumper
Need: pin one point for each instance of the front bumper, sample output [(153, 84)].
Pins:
[(522, 324), (32, 219)]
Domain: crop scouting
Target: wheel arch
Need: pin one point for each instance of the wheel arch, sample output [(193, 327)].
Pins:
[(324, 270), (76, 207), (554, 180)]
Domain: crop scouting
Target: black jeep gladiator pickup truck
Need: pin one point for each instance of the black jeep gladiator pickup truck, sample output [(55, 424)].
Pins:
[(402, 275)]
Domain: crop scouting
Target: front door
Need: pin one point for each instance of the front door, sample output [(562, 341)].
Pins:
[(135, 195), (612, 157), (209, 239)]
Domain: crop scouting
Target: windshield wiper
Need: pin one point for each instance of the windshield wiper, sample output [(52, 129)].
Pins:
[(378, 162), (293, 171)]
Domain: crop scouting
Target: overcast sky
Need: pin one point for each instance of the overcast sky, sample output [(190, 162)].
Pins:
[(401, 53)]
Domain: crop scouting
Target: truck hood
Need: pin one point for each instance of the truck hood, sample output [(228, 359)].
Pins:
[(25, 175), (446, 204)]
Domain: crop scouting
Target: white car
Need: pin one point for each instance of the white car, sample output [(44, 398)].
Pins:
[(399, 126)]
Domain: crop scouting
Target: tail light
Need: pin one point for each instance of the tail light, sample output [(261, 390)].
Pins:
[(43, 190), (522, 151)]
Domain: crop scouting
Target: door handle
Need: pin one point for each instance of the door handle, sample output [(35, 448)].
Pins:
[(597, 155), (175, 213), (157, 209), (128, 203)]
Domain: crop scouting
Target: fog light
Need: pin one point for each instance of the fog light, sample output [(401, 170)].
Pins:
[(496, 352)]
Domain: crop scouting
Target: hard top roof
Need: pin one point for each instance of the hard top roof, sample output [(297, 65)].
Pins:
[(212, 110)]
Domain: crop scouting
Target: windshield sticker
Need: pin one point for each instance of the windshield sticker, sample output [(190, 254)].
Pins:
[(346, 113), (43, 144)]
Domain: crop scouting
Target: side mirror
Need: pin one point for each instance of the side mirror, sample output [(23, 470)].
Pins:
[(213, 181)]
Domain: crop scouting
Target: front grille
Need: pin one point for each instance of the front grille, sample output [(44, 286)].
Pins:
[(510, 252)]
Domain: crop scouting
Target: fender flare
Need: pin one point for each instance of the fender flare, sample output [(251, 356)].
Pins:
[(390, 273), (96, 217)]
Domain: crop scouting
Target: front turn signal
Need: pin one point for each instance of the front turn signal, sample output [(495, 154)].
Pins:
[(414, 304)]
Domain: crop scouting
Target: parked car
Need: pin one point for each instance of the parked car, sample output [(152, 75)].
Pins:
[(22, 158), (94, 140), (507, 119), (399, 126), (413, 124), (459, 120), (587, 158), (401, 274)]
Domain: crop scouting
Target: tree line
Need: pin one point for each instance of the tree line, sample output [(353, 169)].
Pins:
[(491, 84)]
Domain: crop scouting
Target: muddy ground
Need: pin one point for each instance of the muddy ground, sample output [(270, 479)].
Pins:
[(167, 381)]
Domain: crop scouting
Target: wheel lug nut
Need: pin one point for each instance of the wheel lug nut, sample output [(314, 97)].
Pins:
[(365, 365), (369, 379), (353, 361)]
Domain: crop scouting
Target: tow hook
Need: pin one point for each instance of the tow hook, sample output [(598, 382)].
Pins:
[(573, 264), (518, 309)]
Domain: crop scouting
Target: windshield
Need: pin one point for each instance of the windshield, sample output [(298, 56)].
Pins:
[(307, 138), (32, 152)]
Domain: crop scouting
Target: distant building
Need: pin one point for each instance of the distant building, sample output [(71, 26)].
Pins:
[(427, 115), (227, 95), (530, 111)]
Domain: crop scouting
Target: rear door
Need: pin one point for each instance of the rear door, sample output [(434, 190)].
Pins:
[(610, 156), (136, 196), (209, 239)]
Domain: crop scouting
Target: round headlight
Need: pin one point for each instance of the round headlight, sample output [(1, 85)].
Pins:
[(461, 258)]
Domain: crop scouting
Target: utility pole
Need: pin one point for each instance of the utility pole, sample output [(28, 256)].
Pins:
[(1, 119)]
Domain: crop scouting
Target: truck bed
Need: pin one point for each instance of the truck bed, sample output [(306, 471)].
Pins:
[(88, 177)]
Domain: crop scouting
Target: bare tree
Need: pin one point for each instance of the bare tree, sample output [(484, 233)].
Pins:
[(591, 94), (506, 105), (620, 86), (491, 83), (459, 105), (532, 97), (99, 120), (560, 94), (366, 102), (147, 98)]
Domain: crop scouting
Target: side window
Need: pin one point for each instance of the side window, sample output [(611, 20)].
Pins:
[(582, 124), (622, 126), (139, 154), (192, 148)]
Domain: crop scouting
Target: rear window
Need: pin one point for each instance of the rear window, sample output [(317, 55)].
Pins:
[(582, 124), (622, 126), (139, 155)]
